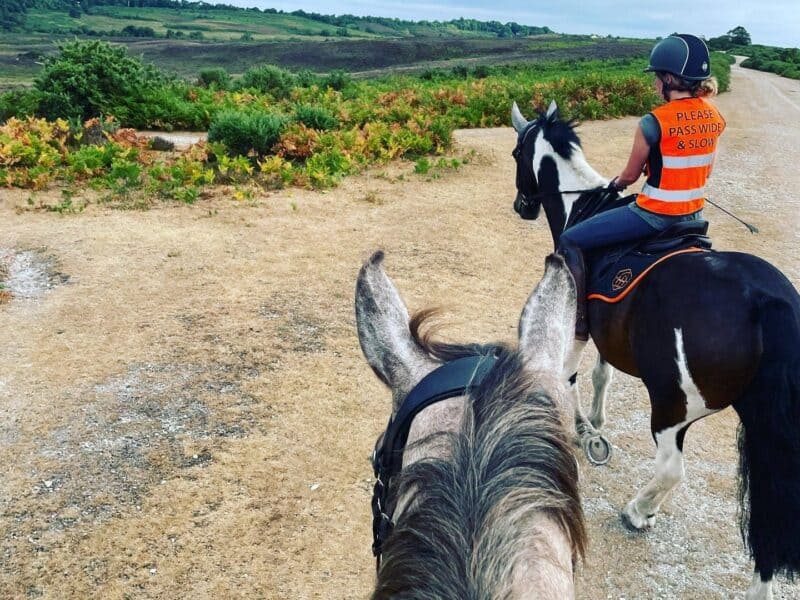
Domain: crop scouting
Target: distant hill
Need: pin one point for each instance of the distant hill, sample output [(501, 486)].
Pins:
[(219, 22)]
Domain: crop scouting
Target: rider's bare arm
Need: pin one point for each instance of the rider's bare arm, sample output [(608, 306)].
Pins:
[(633, 169)]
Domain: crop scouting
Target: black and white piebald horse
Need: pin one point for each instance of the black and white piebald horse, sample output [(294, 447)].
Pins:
[(703, 331), (477, 483)]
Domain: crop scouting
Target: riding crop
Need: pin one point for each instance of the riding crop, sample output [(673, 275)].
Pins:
[(751, 228)]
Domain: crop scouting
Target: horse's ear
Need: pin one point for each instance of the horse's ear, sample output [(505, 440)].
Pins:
[(552, 110), (547, 324), (383, 331), (517, 120)]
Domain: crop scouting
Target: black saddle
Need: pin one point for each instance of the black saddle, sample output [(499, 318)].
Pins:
[(677, 236)]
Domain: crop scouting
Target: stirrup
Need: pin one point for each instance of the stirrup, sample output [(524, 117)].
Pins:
[(597, 448)]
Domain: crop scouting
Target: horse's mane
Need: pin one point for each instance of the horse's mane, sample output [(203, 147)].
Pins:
[(470, 513), (561, 134)]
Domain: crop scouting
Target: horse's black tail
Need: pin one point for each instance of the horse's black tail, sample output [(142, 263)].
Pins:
[(769, 446)]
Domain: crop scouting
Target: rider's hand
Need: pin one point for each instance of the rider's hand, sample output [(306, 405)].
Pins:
[(615, 185)]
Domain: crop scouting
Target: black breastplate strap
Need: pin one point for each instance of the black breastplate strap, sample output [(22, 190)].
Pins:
[(455, 378)]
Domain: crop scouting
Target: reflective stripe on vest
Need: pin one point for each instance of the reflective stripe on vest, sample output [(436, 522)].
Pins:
[(681, 162), (672, 195), (677, 169)]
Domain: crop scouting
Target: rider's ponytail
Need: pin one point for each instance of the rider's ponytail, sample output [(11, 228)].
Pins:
[(706, 88)]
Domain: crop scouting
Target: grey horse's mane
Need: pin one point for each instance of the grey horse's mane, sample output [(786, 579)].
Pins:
[(470, 513)]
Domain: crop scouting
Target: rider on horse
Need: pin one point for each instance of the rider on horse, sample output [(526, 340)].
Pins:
[(674, 144)]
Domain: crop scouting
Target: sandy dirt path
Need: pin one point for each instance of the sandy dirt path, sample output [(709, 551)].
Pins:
[(185, 411)]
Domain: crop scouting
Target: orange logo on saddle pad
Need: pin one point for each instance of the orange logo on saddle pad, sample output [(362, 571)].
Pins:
[(621, 279)]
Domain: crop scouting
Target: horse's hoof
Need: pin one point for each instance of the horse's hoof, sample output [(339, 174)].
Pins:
[(633, 521), (597, 449), (626, 521)]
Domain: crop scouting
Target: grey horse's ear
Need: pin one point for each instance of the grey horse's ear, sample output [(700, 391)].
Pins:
[(383, 330), (552, 109), (517, 120), (547, 324)]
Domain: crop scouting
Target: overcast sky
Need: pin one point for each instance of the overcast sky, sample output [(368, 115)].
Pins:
[(770, 22)]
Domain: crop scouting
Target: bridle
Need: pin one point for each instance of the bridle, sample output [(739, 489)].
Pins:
[(526, 178), (458, 377)]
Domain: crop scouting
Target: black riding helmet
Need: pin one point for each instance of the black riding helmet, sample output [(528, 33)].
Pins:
[(683, 55)]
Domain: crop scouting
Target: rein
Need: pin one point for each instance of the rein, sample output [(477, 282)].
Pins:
[(600, 199), (559, 192), (455, 378)]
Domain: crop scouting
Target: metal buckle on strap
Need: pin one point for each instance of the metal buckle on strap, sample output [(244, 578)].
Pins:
[(382, 523)]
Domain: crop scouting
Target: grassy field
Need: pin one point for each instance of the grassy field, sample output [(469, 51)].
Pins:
[(216, 25), (226, 24), (19, 54)]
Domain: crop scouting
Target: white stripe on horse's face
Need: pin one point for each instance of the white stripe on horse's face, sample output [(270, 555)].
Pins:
[(569, 173)]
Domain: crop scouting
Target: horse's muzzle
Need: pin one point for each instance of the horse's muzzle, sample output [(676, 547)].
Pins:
[(525, 208)]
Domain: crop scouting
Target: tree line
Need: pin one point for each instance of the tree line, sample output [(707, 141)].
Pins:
[(12, 13), (12, 16), (500, 29)]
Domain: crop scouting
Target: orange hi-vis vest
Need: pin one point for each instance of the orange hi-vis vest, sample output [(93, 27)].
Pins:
[(678, 167)]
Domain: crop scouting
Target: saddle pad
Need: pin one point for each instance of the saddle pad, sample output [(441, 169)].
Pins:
[(613, 276)]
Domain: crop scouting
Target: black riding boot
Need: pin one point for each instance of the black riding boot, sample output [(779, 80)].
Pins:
[(573, 256)]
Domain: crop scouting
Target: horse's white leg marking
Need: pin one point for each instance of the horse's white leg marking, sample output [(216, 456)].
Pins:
[(602, 374), (640, 512), (759, 590)]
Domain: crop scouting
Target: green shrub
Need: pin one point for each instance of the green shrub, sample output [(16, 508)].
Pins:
[(326, 168), (133, 31), (170, 107), (246, 132), (721, 69), (91, 161), (337, 80), (792, 72), (460, 71), (216, 77), (306, 78), (269, 79), (315, 117), (783, 61), (482, 71), (18, 103), (90, 79)]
